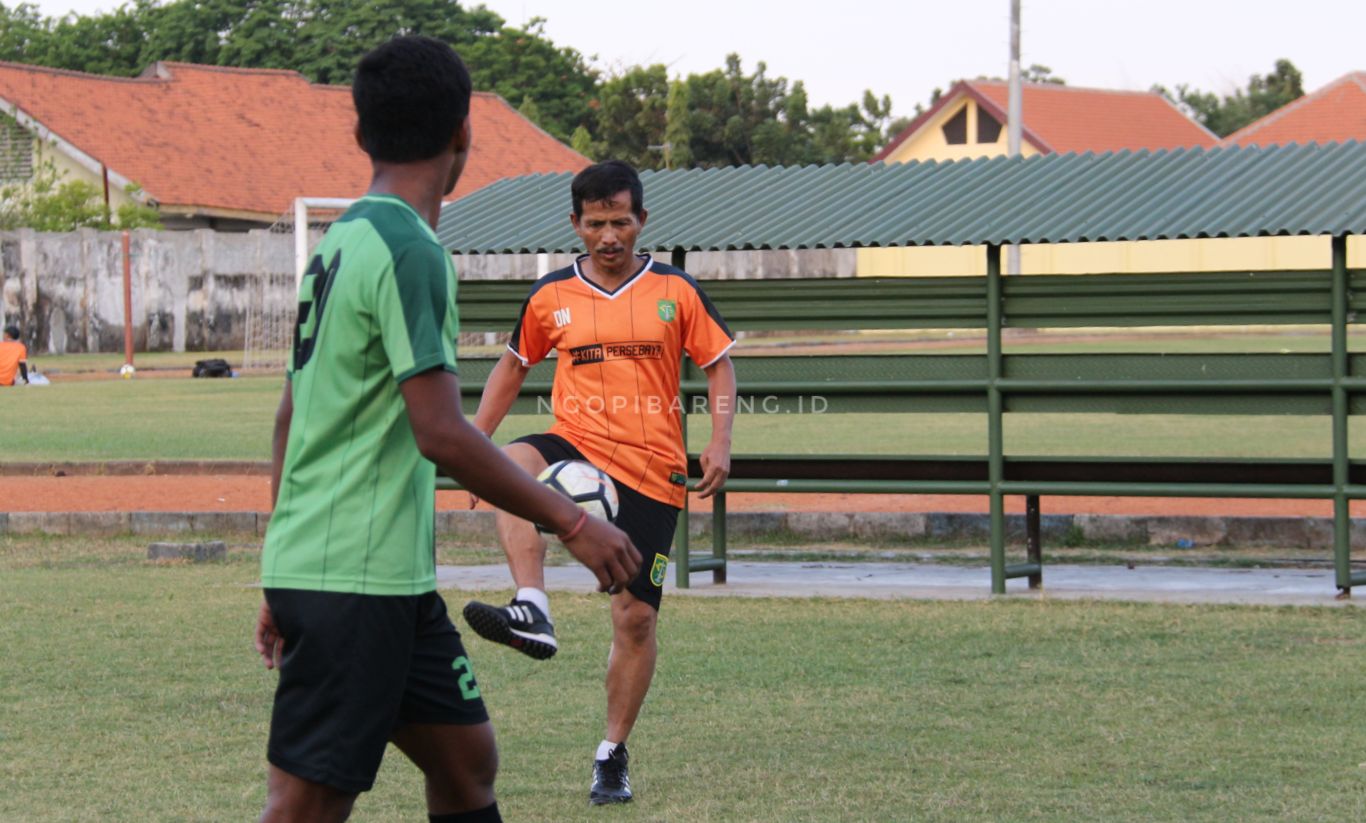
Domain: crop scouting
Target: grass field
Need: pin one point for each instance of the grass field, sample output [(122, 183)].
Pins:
[(1297, 339), (183, 419), (130, 692)]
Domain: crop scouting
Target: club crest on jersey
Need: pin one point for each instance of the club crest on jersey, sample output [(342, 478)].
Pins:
[(657, 570), (668, 310), (562, 317)]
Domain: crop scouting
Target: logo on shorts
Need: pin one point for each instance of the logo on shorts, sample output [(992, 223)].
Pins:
[(668, 309), (657, 570)]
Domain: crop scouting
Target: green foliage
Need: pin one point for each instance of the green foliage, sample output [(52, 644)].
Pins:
[(582, 142), (50, 202), (1041, 74), (523, 64), (678, 126), (631, 115), (1225, 115)]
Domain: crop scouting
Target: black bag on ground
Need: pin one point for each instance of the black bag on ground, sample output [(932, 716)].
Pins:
[(216, 367)]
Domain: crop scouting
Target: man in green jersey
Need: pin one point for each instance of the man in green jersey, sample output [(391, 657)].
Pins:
[(366, 652)]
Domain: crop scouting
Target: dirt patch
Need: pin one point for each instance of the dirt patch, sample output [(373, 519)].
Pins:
[(237, 492)]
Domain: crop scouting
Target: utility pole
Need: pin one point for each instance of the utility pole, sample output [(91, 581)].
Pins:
[(1014, 126)]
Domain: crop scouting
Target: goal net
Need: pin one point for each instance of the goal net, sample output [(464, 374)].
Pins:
[(273, 296)]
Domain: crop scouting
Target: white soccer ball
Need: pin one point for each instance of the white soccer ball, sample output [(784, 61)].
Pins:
[(585, 484), (127, 371)]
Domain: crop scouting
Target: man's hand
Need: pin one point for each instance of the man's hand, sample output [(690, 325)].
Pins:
[(269, 643), (715, 460), (607, 552)]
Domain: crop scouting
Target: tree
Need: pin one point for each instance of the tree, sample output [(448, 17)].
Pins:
[(523, 64), (678, 127), (582, 142), (1225, 115), (49, 202), (1041, 74), (632, 115)]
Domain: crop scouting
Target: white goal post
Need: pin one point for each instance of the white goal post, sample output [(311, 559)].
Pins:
[(302, 206), (272, 301)]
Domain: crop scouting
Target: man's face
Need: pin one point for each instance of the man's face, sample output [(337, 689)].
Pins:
[(609, 230)]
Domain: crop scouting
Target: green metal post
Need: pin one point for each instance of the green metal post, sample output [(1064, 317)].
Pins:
[(682, 563), (1342, 523), (718, 536), (1034, 539), (995, 431)]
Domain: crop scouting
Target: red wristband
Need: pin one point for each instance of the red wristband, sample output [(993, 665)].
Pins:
[(576, 528)]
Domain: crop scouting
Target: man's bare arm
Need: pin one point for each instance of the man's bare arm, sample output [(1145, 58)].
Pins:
[(500, 392), (715, 458), (283, 414)]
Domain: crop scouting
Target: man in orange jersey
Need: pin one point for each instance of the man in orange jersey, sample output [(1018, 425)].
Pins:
[(13, 357), (620, 324)]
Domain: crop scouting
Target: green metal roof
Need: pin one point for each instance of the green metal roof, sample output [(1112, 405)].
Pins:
[(1072, 198)]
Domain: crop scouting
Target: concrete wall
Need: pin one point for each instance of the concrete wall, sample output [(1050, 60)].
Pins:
[(191, 290)]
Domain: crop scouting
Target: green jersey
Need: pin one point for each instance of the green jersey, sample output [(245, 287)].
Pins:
[(356, 504)]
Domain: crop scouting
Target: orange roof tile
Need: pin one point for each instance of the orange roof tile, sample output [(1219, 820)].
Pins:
[(1334, 113), (1071, 119), (247, 140)]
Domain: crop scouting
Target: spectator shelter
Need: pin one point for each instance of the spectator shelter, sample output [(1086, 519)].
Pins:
[(990, 203)]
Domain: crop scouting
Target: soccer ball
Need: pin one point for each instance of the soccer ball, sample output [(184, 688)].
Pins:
[(127, 371), (585, 484)]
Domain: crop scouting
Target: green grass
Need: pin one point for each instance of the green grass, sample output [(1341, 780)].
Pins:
[(111, 361), (130, 692), (1017, 341), (185, 419)]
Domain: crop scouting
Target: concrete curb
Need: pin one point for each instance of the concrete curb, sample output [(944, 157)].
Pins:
[(1172, 532)]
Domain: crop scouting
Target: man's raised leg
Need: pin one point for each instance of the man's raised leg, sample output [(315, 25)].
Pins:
[(523, 624)]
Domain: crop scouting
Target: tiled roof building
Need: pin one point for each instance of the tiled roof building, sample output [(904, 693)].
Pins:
[(1334, 113), (232, 148)]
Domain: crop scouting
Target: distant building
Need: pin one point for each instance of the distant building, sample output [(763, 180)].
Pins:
[(226, 148), (969, 121), (1335, 113)]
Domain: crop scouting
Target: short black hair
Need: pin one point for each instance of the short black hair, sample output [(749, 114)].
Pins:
[(412, 94), (12, 331), (602, 181)]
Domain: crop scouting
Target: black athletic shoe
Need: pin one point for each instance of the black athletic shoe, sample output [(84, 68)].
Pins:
[(611, 780), (519, 624)]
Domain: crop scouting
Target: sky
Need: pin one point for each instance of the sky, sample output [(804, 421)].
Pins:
[(906, 48)]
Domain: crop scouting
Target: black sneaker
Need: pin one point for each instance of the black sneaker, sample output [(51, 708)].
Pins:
[(519, 624), (611, 780)]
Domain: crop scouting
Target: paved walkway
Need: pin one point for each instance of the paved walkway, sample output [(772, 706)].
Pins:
[(940, 582)]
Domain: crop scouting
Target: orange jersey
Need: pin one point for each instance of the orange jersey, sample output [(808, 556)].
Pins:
[(620, 354), (12, 353)]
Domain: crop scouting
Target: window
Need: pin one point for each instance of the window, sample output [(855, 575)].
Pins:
[(988, 127), (956, 130)]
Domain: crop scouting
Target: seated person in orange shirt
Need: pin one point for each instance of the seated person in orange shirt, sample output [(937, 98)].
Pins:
[(621, 324), (13, 357)]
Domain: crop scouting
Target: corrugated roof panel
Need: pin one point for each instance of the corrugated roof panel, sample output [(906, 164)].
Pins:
[(1185, 193)]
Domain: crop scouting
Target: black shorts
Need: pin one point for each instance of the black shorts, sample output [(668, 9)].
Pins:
[(648, 522), (355, 668)]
